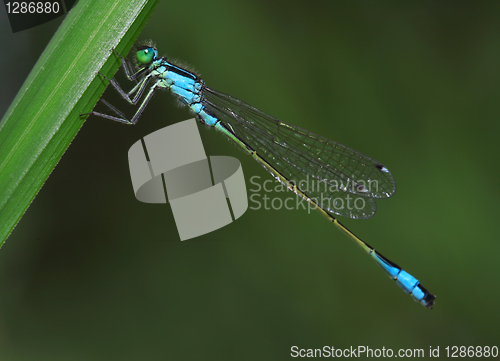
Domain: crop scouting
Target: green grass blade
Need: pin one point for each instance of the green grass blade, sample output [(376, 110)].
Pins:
[(44, 117)]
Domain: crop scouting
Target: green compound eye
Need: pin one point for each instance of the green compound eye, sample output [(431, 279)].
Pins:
[(145, 55)]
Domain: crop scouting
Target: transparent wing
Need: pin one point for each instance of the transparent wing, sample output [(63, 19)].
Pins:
[(340, 179)]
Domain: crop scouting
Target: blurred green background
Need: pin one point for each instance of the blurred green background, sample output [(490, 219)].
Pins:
[(91, 273)]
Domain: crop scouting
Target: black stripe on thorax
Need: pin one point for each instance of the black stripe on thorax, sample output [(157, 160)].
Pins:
[(180, 71)]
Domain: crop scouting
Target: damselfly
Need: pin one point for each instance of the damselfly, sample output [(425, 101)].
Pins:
[(352, 181)]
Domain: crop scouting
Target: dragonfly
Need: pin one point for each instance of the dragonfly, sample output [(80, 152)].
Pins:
[(350, 181)]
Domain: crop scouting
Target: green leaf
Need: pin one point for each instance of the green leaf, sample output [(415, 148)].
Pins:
[(44, 117)]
